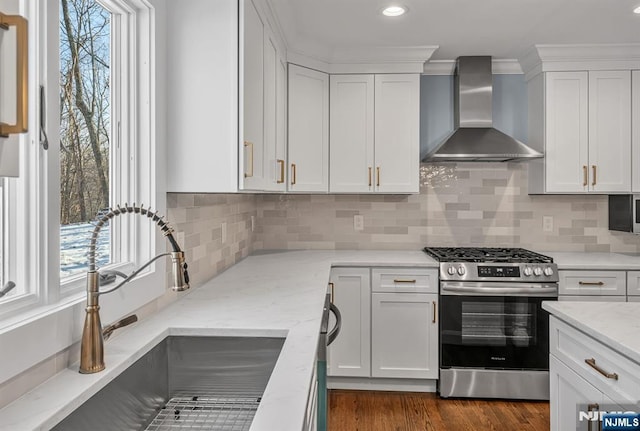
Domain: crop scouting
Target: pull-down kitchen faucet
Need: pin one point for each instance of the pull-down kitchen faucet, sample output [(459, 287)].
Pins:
[(92, 344)]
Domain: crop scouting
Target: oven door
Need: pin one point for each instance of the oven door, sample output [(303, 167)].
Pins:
[(495, 325)]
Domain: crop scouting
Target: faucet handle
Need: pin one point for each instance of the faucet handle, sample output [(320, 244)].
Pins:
[(108, 330)]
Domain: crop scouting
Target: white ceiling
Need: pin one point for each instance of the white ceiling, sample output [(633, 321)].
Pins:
[(332, 30)]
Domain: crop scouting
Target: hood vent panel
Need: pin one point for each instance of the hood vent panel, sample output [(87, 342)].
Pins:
[(474, 138)]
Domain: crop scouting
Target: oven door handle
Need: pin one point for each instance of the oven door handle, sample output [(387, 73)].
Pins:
[(507, 290)]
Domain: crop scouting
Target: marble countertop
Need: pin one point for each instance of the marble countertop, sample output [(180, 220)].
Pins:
[(278, 294), (595, 261), (612, 323)]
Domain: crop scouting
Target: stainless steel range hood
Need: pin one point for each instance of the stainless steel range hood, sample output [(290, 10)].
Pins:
[(474, 138)]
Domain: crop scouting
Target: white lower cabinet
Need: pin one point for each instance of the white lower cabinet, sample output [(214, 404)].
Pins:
[(587, 377), (350, 354), (404, 335), (592, 283), (389, 323)]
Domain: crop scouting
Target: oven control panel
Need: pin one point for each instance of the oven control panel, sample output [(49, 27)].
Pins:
[(498, 271), (521, 272)]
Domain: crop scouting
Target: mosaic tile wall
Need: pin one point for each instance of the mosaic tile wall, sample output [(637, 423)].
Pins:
[(463, 204), (198, 218)]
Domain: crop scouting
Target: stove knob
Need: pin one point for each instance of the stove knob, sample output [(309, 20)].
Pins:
[(461, 270), (527, 271), (537, 271), (548, 271), (451, 270)]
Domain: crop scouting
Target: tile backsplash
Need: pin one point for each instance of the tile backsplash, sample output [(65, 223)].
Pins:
[(465, 204), (198, 221)]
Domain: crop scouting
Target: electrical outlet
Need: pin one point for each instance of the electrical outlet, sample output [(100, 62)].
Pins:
[(547, 223), (358, 222), (223, 228), (253, 223)]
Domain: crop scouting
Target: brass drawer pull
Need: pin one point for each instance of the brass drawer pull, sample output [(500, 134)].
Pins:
[(434, 311), (585, 176), (22, 74), (293, 174), (591, 283), (592, 363), (249, 144), (281, 180), (595, 407), (595, 181), (370, 176), (378, 175), (332, 293), (400, 280)]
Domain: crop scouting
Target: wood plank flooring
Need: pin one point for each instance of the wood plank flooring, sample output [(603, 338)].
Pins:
[(409, 411)]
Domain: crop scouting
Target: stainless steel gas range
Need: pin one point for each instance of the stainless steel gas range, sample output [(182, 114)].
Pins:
[(494, 335)]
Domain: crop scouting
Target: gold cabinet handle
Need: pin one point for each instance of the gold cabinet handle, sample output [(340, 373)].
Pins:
[(250, 145), (434, 311), (594, 407), (293, 174), (370, 169), (592, 363), (585, 176), (22, 74), (400, 280), (593, 167), (591, 283), (281, 180), (332, 288), (378, 175)]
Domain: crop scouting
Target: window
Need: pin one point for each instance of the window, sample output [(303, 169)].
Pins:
[(96, 60), (85, 130)]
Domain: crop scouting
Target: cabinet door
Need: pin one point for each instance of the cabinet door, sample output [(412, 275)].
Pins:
[(566, 125), (350, 354), (635, 130), (351, 134), (252, 120), (270, 117), (397, 133), (404, 335), (610, 131), (569, 395), (308, 130)]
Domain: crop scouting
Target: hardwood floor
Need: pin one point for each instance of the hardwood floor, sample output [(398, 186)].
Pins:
[(409, 411)]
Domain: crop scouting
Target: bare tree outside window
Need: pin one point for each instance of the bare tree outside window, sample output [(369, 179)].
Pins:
[(85, 43)]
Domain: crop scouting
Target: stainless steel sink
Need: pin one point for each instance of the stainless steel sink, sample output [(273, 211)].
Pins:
[(205, 383)]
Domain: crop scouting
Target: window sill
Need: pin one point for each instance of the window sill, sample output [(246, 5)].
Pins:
[(52, 329)]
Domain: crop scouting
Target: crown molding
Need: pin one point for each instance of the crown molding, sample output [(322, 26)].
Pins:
[(556, 58), (375, 60), (448, 67)]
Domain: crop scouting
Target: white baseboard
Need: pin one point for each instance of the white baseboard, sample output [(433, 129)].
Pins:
[(373, 384)]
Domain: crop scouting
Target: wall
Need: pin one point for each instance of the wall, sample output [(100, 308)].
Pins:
[(464, 204)]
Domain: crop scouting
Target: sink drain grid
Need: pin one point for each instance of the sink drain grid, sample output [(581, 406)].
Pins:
[(206, 413)]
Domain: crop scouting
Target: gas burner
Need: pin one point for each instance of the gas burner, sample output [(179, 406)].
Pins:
[(485, 254)]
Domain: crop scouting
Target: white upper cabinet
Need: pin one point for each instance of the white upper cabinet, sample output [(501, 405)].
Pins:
[(397, 133), (635, 130), (374, 137), (308, 130), (253, 118), (582, 123), (202, 108), (351, 137), (610, 131)]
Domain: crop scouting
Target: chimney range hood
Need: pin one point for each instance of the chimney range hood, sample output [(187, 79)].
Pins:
[(474, 138)]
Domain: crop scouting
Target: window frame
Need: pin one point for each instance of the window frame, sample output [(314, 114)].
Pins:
[(57, 308)]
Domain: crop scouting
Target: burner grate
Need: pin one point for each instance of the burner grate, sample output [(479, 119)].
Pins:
[(486, 254)]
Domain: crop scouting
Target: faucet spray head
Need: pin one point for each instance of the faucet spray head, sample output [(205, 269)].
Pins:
[(179, 270)]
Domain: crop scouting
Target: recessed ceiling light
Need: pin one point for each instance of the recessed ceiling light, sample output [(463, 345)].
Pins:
[(637, 10), (394, 11)]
